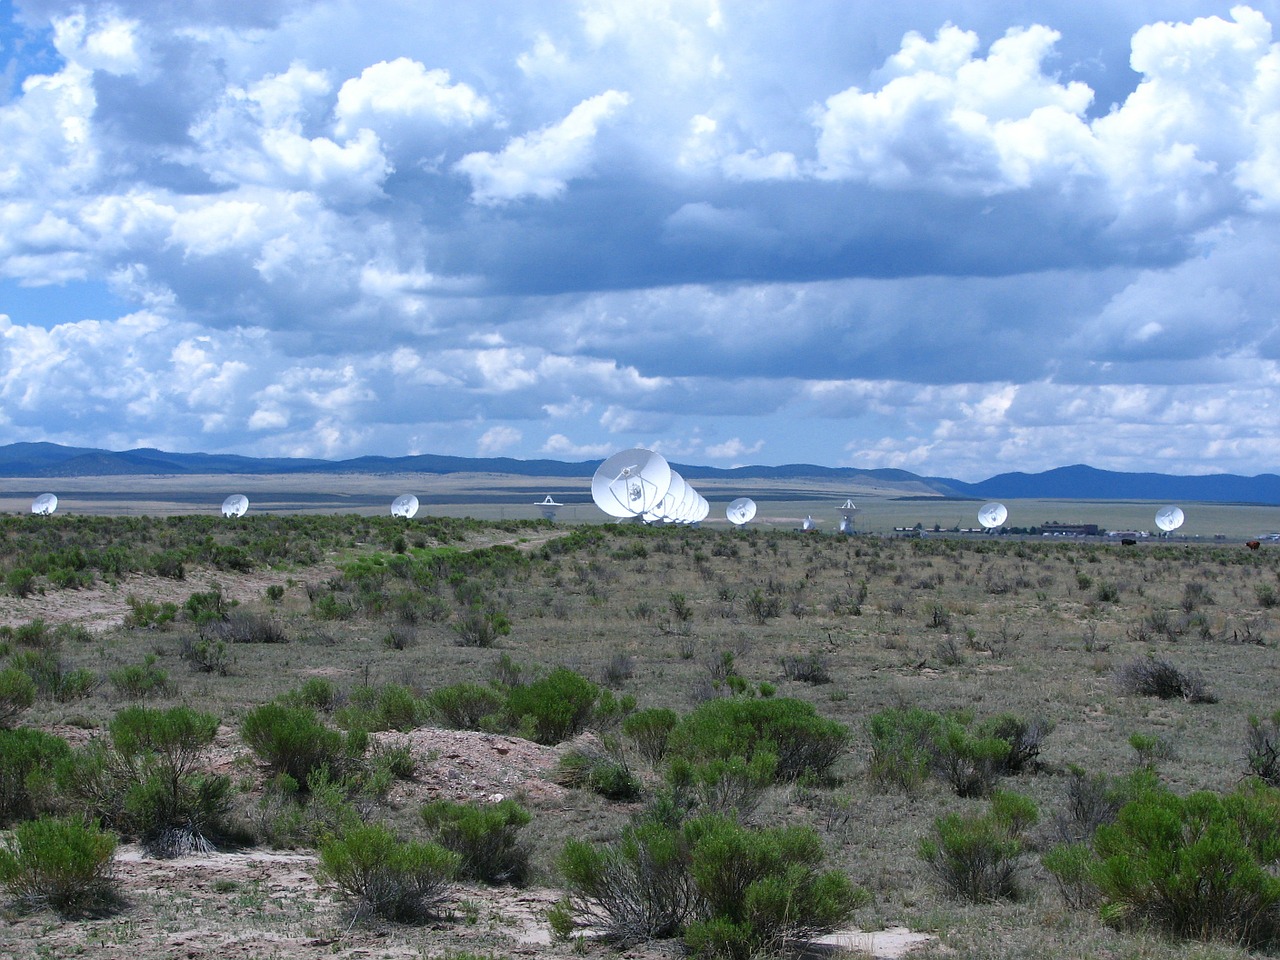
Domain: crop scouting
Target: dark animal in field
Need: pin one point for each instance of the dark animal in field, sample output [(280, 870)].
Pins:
[(1129, 542), (1253, 544)]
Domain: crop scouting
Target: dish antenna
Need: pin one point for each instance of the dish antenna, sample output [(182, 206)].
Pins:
[(405, 505), (741, 511), (235, 505), (669, 509), (993, 515), (809, 524), (1169, 518), (631, 483), (44, 504), (549, 507), (846, 516)]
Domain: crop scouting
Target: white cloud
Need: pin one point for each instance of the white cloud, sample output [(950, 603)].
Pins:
[(391, 93), (558, 445), (497, 439), (734, 449), (109, 44), (540, 164)]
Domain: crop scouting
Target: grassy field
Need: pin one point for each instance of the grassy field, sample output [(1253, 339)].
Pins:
[(979, 625)]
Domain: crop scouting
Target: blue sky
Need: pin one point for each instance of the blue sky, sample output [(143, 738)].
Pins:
[(956, 238)]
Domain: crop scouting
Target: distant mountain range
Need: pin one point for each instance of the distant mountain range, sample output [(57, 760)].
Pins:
[(1077, 482)]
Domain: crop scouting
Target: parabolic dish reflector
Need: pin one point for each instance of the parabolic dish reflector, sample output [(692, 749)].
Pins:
[(1169, 518), (809, 524), (993, 515), (741, 511), (235, 505), (44, 504), (405, 506), (631, 483)]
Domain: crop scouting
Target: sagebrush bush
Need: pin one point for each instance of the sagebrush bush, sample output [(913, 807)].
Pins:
[(729, 891), (1262, 748), (465, 706), (599, 769), (910, 744), (27, 759), (761, 889), (553, 708), (1156, 677), (978, 857), (733, 788), (17, 693), (650, 730), (485, 837), (138, 680), (804, 743), (62, 864), (1198, 866), (386, 877), (291, 740)]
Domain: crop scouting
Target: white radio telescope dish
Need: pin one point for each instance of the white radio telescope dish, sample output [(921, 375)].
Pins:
[(631, 483), (405, 505), (846, 516), (235, 505), (548, 507), (1169, 518), (993, 515), (44, 504), (809, 524), (741, 511)]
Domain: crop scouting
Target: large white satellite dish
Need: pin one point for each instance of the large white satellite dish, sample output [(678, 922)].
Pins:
[(846, 516), (235, 505), (1169, 518), (993, 515), (668, 509), (701, 510), (44, 504), (631, 483), (809, 524), (405, 505), (741, 511), (548, 507)]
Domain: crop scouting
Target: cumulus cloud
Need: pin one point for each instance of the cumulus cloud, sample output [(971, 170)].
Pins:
[(540, 164), (392, 93), (497, 439)]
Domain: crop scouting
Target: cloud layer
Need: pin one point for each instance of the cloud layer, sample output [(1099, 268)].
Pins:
[(926, 237)]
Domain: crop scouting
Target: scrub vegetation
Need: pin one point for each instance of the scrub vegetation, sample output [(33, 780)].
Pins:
[(1021, 747)]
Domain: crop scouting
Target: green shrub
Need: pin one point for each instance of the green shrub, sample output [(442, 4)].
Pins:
[(62, 864), (27, 758), (167, 803), (555, 707), (478, 627), (636, 889), (727, 890), (650, 730), (733, 787), (1198, 866), (977, 858), (465, 706), (20, 581), (138, 680), (901, 746), (53, 678), (760, 889), (910, 744), (207, 606), (804, 743), (1262, 748), (205, 655), (148, 613), (484, 836), (315, 692), (290, 740), (386, 877), (599, 770), (17, 693)]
